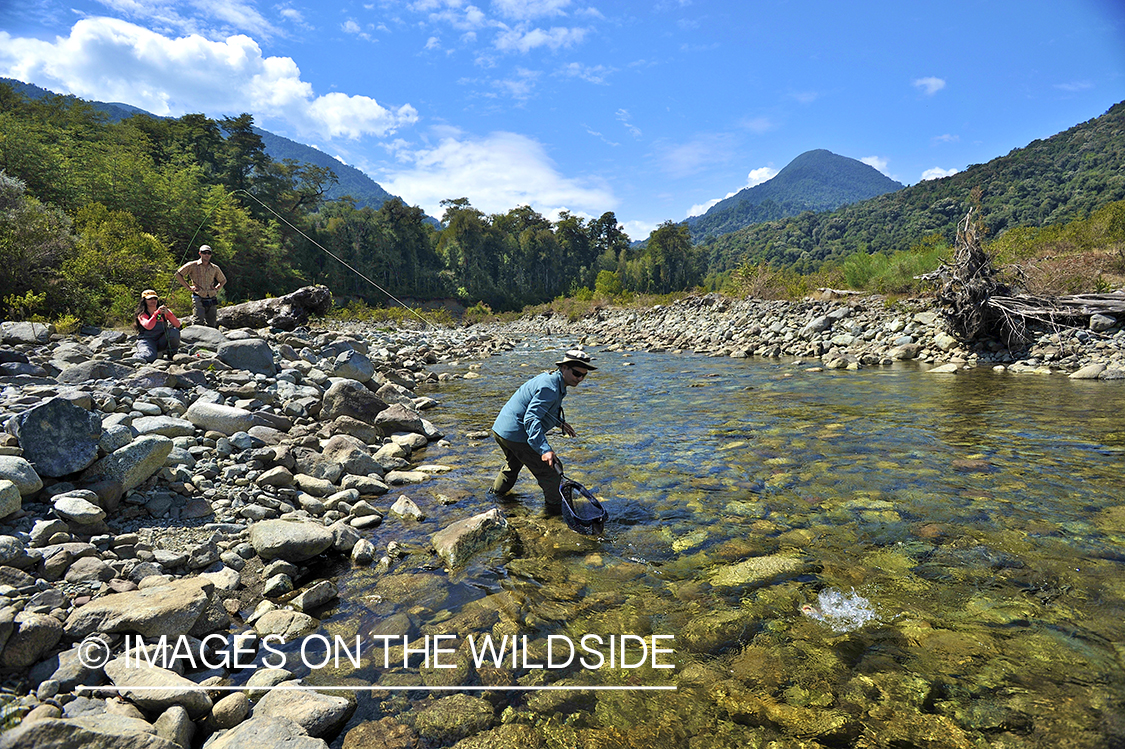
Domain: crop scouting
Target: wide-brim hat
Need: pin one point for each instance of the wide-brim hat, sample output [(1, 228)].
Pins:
[(576, 358), (149, 293)]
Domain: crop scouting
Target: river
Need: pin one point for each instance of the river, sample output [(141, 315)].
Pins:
[(872, 557)]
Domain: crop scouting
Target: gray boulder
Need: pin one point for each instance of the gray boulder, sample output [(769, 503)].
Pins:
[(167, 426), (156, 689), (34, 635), (351, 398), (220, 418), (202, 335), (251, 354), (352, 455), (171, 609), (353, 365), (291, 540), (267, 732), (130, 466), (53, 733), (460, 541), (93, 370), (319, 714), (20, 472), (58, 437), (399, 418), (26, 332)]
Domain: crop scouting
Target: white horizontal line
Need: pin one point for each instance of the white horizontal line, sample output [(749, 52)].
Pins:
[(378, 687)]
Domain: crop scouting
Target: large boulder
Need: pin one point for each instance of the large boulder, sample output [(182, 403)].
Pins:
[(399, 418), (130, 466), (291, 540), (219, 418), (58, 437), (21, 473), (460, 541), (353, 365), (202, 335), (53, 733), (351, 398), (352, 454), (319, 714), (268, 732), (250, 354), (26, 332), (93, 370), (34, 635), (156, 689), (284, 313), (170, 609)]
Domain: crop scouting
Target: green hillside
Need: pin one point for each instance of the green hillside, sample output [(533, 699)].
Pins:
[(814, 181), (1061, 178)]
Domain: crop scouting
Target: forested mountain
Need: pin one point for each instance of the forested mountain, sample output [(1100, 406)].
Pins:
[(1064, 177), (814, 181), (351, 182)]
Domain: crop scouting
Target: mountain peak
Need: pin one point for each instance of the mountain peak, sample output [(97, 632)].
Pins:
[(817, 180)]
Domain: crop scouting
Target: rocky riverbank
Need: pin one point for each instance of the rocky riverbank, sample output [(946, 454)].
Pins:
[(201, 500), (188, 499), (846, 333)]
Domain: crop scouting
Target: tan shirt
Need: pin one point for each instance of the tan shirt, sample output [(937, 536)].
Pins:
[(205, 279)]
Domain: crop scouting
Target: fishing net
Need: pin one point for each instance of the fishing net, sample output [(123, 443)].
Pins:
[(581, 509)]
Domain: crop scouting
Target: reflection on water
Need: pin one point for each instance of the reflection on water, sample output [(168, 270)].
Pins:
[(977, 523)]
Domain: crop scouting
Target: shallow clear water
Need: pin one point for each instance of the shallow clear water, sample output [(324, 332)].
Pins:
[(975, 524)]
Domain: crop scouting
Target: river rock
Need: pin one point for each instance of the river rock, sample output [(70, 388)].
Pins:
[(351, 398), (251, 354), (217, 417), (170, 609), (53, 733), (291, 540), (352, 455), (167, 426), (759, 570), (10, 499), (460, 541), (1101, 323), (202, 335), (156, 689), (21, 473), (1089, 372), (319, 714), (77, 509), (26, 332), (289, 625), (90, 371), (133, 464), (33, 637), (453, 718), (400, 418), (267, 732), (353, 365), (58, 437)]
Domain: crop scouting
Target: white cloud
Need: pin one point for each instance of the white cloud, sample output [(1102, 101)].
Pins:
[(433, 43), (521, 40), (624, 117), (638, 230), (876, 161), (497, 172), (520, 85), (937, 173), (947, 138), (526, 10), (930, 85), (760, 175), (168, 16), (701, 208), (592, 74), (754, 178), (112, 60), (1074, 86)]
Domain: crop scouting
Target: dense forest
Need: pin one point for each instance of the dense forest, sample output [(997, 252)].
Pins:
[(94, 211), (1051, 181)]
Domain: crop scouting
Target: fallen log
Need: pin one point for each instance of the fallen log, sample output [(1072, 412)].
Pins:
[(284, 313)]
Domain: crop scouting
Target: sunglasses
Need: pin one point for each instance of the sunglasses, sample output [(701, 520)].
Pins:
[(577, 374)]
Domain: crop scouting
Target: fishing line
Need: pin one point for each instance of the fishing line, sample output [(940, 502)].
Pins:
[(191, 243)]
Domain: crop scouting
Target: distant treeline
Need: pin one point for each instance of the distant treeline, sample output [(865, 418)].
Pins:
[(92, 212)]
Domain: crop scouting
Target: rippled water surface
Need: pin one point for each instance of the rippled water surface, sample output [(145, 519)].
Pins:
[(975, 524)]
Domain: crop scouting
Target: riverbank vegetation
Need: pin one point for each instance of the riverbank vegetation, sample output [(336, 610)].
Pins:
[(93, 211)]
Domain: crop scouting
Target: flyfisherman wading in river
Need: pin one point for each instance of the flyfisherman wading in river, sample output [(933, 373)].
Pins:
[(521, 428)]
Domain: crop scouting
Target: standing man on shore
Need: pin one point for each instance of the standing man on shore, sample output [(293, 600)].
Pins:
[(521, 428), (203, 279)]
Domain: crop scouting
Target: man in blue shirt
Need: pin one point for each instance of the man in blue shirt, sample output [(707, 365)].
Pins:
[(521, 428)]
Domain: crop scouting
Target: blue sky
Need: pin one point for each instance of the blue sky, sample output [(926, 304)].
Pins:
[(653, 110)]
